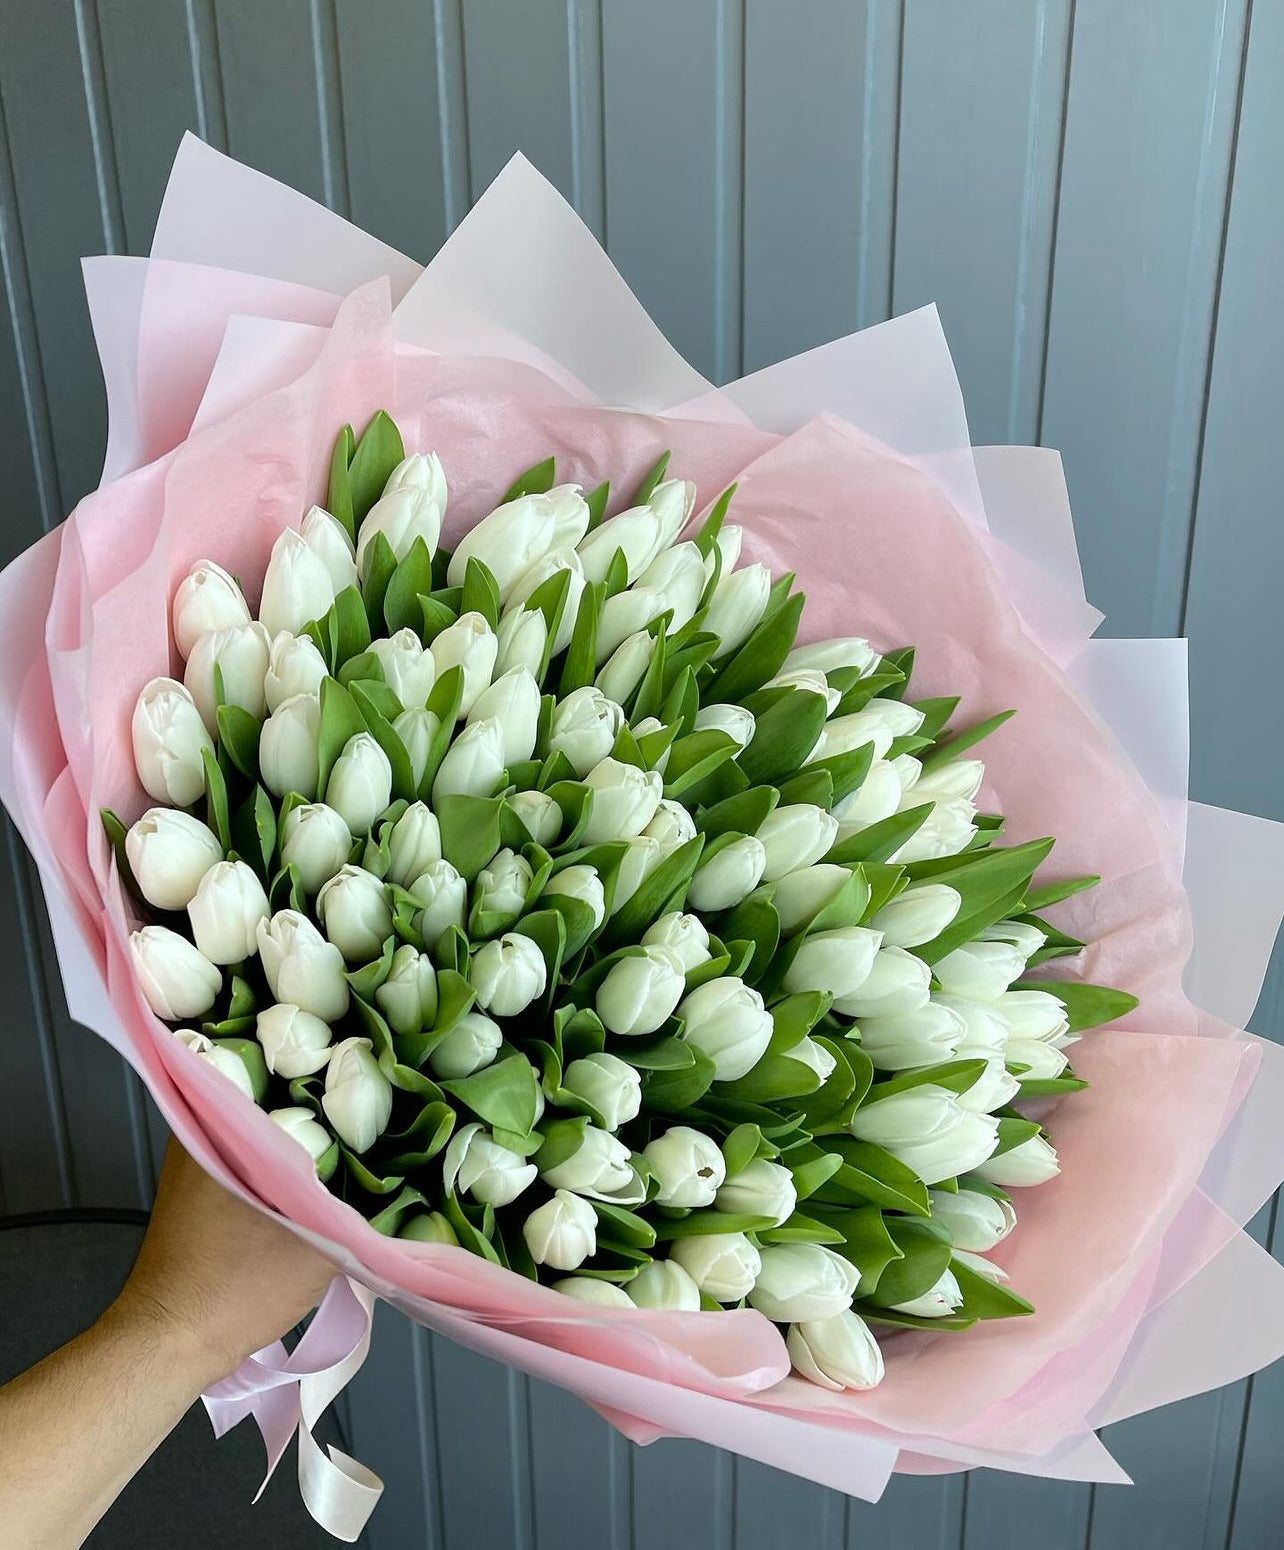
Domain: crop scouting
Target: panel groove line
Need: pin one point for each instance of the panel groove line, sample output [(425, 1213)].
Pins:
[(1056, 220), (207, 72), (89, 37)]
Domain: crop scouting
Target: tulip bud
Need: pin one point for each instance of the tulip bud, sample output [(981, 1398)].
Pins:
[(985, 1030), (600, 1166), (918, 915), (729, 542), (1017, 933), (1035, 1015), (408, 997), (360, 784), (606, 1084), (288, 759), (419, 471), (403, 515), (641, 857), (540, 815), (417, 730), (329, 541), (684, 937), (738, 603), (728, 1021), (678, 574), (295, 666), (815, 1057), (627, 666), (207, 599), (810, 682), (471, 1045), (761, 1188), (513, 701), (926, 1128), (553, 564), (301, 967), (795, 836), (584, 727), (301, 1126), (800, 896), (474, 762), (562, 1233), (408, 668), (521, 637), (737, 722), (1043, 1062), (992, 1090), (837, 1353), (414, 844), (519, 533), (1033, 1162), (444, 896), (948, 830), (641, 532), (803, 1281), (507, 975), (624, 801), (295, 1043), (169, 738), (176, 978), (976, 1222), (472, 645), (925, 1037), (316, 842), (241, 655), (503, 883), (896, 983), (353, 910), (687, 1165), (169, 852), (476, 1164), (296, 588), (225, 912), (876, 798), (938, 1302), (623, 615), (587, 1289), (833, 656), (881, 722), (723, 1265), (838, 961), (728, 876), (224, 1060), (358, 1096), (644, 728), (982, 971), (639, 993), (582, 883), (664, 1284), (672, 827), (430, 1228), (958, 780)]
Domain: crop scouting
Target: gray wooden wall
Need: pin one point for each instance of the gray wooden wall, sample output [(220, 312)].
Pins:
[(1090, 189)]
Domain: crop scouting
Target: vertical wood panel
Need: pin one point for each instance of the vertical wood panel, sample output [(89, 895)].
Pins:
[(576, 1489), (1010, 1510), (683, 1494), (919, 1510), (483, 1449), (773, 1508)]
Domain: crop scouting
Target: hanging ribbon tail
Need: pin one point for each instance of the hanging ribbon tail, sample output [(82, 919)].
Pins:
[(287, 1392)]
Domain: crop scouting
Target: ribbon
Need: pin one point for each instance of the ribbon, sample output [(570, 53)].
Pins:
[(288, 1391)]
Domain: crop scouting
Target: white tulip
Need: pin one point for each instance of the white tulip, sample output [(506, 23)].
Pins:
[(241, 655), (474, 762), (608, 1085), (977, 1222), (471, 1045), (1033, 1015), (623, 615), (297, 587), (664, 1284), (588, 1289), (761, 1188), (301, 967), (896, 983), (519, 533), (582, 883), (672, 827), (360, 784), (803, 1281), (627, 666), (958, 780), (302, 1126), (295, 1043), (476, 1164), (645, 728), (981, 971), (207, 599), (738, 723), (641, 532), (169, 738), (553, 564), (169, 852), (985, 1030), (738, 603), (795, 836), (639, 993), (800, 896), (837, 1353), (316, 842), (684, 936), (353, 910), (508, 974), (584, 727), (503, 883), (408, 997), (1043, 1062), (624, 801), (880, 723), (295, 666), (408, 667), (562, 1233), (909, 772), (728, 1021), (729, 542), (413, 845), (225, 1061), (688, 1167), (513, 701), (838, 961), (723, 1265), (540, 815), (288, 759), (810, 682), (419, 471), (678, 574), (402, 515), (521, 637), (938, 1302), (358, 1096), (832, 656), (472, 645), (641, 857), (1017, 933), (599, 1166), (728, 876), (948, 830), (876, 798), (815, 1057), (417, 730), (992, 1090), (918, 915), (926, 1037), (225, 912), (176, 978), (444, 896), (979, 1265), (329, 541), (960, 1147), (1033, 1162)]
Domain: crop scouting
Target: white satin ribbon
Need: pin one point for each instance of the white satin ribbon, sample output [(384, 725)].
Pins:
[(288, 1391)]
